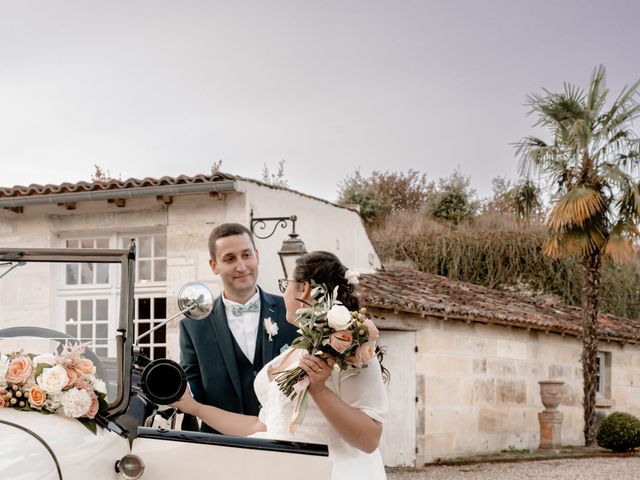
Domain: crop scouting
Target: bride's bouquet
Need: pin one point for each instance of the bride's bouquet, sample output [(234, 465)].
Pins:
[(330, 330)]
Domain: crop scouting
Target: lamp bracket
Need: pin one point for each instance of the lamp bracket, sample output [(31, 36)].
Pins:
[(260, 224)]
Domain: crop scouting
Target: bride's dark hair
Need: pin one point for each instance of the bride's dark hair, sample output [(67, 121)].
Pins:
[(324, 268)]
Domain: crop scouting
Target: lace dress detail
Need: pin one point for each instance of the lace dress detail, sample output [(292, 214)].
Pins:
[(362, 389)]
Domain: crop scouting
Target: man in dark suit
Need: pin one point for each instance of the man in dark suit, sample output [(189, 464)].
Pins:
[(223, 353)]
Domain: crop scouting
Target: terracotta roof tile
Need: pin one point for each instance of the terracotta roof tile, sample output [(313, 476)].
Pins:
[(411, 291), (49, 189)]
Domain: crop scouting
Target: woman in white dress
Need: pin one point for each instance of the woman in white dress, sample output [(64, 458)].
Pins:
[(346, 408)]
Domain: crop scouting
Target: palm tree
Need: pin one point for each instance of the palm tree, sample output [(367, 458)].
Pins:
[(591, 163)]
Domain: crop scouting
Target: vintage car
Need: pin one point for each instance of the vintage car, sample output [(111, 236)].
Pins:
[(132, 436)]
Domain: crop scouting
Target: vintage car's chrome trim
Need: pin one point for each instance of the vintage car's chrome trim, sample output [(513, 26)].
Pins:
[(40, 439), (237, 442)]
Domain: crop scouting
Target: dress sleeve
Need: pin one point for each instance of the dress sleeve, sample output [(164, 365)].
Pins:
[(364, 389)]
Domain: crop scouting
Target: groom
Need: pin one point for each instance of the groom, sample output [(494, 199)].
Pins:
[(223, 353)]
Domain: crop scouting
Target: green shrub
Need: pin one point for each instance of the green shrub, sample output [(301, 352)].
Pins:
[(619, 432)]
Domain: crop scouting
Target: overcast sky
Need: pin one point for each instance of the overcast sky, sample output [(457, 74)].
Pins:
[(153, 88)]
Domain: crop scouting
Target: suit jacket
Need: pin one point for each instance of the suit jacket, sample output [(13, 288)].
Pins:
[(208, 357)]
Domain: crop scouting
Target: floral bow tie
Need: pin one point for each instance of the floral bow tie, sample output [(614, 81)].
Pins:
[(238, 310)]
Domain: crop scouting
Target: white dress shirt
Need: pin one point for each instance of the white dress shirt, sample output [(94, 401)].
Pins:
[(244, 327)]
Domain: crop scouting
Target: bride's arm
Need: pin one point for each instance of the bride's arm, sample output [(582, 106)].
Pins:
[(354, 426), (225, 422)]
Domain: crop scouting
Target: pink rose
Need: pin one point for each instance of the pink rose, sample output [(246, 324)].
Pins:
[(372, 329), (36, 397), (84, 366), (365, 353), (72, 377), (93, 409), (19, 371), (340, 340), (2, 401)]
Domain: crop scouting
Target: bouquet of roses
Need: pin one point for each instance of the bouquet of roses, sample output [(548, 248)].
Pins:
[(331, 330), (63, 384)]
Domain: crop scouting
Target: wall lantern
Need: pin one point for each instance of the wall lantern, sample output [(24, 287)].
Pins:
[(292, 247)]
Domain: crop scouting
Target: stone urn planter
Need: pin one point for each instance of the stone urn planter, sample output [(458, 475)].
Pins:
[(551, 394), (550, 419)]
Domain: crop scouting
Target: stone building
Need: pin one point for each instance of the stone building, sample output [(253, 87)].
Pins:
[(467, 360), (170, 219)]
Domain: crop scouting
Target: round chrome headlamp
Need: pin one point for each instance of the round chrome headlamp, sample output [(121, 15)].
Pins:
[(130, 467)]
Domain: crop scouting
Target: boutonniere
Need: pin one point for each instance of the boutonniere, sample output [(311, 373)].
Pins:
[(271, 328)]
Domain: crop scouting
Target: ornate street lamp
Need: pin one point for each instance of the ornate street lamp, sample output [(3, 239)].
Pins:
[(292, 247)]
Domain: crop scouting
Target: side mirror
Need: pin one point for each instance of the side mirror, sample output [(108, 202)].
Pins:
[(195, 300)]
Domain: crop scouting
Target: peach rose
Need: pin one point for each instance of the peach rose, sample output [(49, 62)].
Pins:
[(2, 402), (371, 328), (365, 353), (93, 409), (19, 371), (36, 397), (85, 366), (72, 377), (340, 340)]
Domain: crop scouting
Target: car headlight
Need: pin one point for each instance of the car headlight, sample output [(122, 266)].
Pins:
[(130, 467)]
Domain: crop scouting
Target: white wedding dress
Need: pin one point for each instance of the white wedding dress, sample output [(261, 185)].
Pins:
[(362, 389)]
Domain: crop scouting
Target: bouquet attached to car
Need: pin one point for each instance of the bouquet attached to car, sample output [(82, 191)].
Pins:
[(330, 330), (63, 384)]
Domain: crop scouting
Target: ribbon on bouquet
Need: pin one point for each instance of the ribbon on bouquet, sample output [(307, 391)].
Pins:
[(300, 405)]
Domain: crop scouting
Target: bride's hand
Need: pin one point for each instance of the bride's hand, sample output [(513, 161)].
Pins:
[(186, 404), (318, 370)]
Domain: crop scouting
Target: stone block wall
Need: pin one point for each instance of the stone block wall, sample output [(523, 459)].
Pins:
[(478, 385)]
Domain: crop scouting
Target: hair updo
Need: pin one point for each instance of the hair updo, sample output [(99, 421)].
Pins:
[(324, 268)]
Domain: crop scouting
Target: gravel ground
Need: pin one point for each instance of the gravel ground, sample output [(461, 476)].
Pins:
[(567, 469)]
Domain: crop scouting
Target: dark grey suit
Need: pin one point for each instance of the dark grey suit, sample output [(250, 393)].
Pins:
[(217, 371)]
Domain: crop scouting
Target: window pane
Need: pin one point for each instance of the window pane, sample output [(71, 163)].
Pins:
[(86, 310), (86, 332), (101, 352), (160, 335), (86, 273), (72, 329), (72, 274), (88, 243), (73, 244), (160, 270), (144, 327), (102, 243), (159, 352), (144, 308), (102, 273), (160, 308), (102, 310), (71, 311), (102, 331), (144, 247), (160, 246), (144, 271)]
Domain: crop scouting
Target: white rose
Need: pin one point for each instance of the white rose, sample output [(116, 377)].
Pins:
[(352, 277), (76, 403), (339, 317), (99, 385), (47, 358), (53, 379)]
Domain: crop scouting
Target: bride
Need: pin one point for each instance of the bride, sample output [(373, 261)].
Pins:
[(346, 408)]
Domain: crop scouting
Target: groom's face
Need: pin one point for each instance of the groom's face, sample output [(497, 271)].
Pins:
[(236, 261)]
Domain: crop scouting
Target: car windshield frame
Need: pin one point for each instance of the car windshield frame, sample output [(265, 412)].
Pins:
[(124, 332)]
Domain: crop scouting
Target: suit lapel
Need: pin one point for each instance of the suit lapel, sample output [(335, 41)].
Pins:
[(268, 309), (220, 327)]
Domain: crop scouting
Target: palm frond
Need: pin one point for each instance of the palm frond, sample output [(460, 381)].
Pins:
[(618, 248), (576, 207)]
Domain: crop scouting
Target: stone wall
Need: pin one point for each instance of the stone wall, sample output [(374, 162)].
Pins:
[(478, 386)]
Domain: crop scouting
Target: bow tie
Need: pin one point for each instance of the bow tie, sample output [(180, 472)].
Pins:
[(238, 310)]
